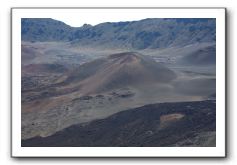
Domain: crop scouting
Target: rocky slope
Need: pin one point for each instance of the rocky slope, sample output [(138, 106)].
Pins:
[(167, 124)]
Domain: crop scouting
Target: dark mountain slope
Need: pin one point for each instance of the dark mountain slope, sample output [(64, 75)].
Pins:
[(166, 124)]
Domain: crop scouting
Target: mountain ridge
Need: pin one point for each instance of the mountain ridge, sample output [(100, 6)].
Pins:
[(152, 33)]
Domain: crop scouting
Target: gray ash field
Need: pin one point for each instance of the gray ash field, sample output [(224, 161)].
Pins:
[(141, 83)]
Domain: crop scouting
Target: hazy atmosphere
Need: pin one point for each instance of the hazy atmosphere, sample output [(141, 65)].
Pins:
[(141, 82)]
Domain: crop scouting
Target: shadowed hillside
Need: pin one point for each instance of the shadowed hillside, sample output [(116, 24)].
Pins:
[(167, 124)]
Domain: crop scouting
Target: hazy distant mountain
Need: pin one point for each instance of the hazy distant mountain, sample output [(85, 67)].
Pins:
[(167, 124), (44, 29), (147, 33)]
